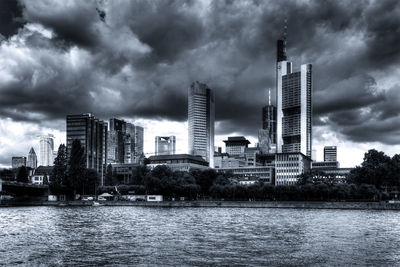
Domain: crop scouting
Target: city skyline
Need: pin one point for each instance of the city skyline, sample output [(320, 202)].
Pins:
[(354, 63)]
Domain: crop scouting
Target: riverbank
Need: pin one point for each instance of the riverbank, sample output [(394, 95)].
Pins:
[(228, 204)]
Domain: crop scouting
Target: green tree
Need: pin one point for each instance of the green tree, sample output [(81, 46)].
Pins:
[(205, 179), (374, 170), (58, 174), (394, 176), (76, 168), (89, 182), (22, 175)]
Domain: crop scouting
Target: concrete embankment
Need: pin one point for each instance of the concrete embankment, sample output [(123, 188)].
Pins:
[(232, 204)]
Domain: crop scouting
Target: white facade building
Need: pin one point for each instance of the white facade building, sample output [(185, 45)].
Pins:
[(46, 148)]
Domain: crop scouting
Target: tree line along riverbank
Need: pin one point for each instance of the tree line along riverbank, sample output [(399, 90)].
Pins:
[(226, 204)]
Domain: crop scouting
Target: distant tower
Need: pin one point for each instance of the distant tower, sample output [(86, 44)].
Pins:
[(165, 145), (330, 153), (269, 123), (32, 159), (201, 121), (46, 148)]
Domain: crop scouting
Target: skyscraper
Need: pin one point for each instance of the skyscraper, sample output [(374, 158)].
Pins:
[(46, 147), (125, 142), (294, 110), (116, 141), (267, 136), (92, 133), (165, 145), (201, 121), (32, 159), (330, 153), (139, 144)]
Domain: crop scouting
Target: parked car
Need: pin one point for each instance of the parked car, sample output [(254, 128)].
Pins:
[(88, 198)]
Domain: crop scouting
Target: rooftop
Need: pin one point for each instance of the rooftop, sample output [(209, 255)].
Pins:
[(177, 157), (237, 140), (44, 170)]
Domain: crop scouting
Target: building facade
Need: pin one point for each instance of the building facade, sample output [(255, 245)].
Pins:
[(17, 162), (268, 138), (321, 165), (92, 133), (165, 145), (124, 171), (124, 142), (40, 174), (294, 119), (290, 166), (139, 143), (32, 159), (201, 109), (46, 148), (330, 153), (260, 173), (179, 162)]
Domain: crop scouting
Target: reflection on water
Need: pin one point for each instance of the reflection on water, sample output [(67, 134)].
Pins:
[(197, 236)]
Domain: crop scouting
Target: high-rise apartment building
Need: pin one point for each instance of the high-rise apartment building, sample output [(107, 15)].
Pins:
[(201, 108), (330, 153), (294, 108), (165, 145), (17, 162), (92, 133), (32, 159), (46, 148), (125, 142)]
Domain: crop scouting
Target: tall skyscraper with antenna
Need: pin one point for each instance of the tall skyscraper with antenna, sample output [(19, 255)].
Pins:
[(293, 102)]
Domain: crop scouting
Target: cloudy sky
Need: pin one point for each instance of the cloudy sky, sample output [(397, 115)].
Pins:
[(136, 59)]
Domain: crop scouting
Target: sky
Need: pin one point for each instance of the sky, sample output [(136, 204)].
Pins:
[(136, 59)]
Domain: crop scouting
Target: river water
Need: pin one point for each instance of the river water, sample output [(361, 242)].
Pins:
[(123, 236)]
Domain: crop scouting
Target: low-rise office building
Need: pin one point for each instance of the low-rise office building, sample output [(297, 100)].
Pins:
[(260, 173), (179, 162), (321, 165), (290, 166)]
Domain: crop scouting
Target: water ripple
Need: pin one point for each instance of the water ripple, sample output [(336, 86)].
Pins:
[(92, 236)]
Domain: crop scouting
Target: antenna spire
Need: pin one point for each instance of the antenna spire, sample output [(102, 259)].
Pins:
[(269, 96), (285, 26)]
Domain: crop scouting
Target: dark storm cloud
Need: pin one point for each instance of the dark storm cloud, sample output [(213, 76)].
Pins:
[(139, 57), (73, 24), (10, 17)]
